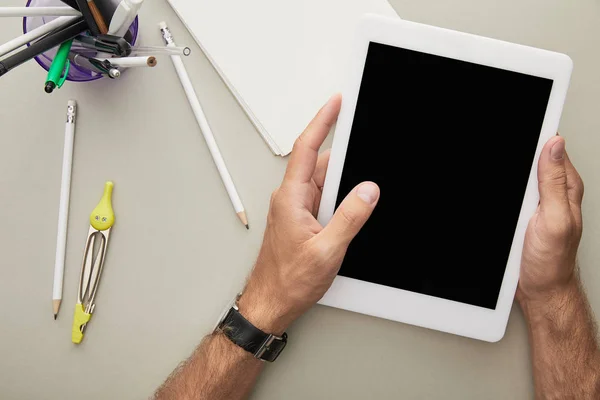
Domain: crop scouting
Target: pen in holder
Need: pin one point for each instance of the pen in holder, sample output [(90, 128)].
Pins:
[(76, 73)]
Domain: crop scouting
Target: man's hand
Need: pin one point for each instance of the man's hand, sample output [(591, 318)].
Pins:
[(297, 263), (554, 232), (565, 353), (299, 258)]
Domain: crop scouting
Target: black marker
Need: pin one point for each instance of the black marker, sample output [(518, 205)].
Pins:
[(44, 44), (82, 5), (71, 3)]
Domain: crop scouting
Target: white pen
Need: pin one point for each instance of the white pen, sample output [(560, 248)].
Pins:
[(34, 34), (83, 61), (124, 16), (63, 210), (132, 62), (38, 12), (205, 127)]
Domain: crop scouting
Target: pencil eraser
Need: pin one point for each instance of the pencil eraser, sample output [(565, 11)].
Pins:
[(162, 25), (72, 103)]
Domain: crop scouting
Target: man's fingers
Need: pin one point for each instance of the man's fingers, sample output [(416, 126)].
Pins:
[(574, 183), (351, 215), (301, 166), (552, 177), (321, 170)]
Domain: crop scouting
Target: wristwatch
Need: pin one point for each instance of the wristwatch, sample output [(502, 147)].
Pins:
[(239, 330)]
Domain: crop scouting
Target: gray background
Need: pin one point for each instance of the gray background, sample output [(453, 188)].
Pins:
[(178, 253)]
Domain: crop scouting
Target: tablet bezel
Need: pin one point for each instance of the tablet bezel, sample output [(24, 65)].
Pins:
[(410, 307)]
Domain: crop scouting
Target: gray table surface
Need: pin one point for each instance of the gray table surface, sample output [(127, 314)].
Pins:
[(178, 253)]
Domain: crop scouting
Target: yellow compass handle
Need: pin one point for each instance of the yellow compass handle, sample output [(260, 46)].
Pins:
[(103, 216)]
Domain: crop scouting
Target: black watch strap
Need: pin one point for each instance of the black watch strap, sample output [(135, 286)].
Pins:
[(240, 331)]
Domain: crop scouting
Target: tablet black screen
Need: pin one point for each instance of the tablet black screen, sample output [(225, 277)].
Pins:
[(451, 144)]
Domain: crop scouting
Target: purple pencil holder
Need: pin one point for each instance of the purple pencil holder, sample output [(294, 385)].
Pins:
[(76, 73)]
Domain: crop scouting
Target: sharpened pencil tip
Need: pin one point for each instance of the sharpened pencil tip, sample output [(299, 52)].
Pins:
[(55, 315), (242, 216)]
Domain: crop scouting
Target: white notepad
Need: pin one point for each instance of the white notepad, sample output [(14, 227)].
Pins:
[(281, 59)]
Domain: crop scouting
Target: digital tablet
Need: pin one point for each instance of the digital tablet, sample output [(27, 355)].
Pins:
[(450, 126)]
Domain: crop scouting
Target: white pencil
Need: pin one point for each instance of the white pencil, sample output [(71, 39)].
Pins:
[(63, 210), (205, 127), (38, 12), (34, 34), (132, 62)]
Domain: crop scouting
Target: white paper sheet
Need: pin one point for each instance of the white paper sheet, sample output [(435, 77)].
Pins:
[(281, 59)]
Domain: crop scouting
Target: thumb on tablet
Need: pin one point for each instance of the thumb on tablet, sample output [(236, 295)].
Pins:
[(352, 214), (552, 178)]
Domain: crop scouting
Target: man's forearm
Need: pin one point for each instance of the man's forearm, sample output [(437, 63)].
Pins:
[(217, 370), (565, 353)]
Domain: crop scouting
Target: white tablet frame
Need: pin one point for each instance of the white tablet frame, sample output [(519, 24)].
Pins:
[(414, 308)]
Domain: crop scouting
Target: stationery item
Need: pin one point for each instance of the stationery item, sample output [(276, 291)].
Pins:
[(71, 3), (205, 127), (57, 75), (101, 221), (63, 209), (101, 67), (102, 27), (172, 51), (35, 34), (281, 60), (106, 44), (123, 17), (131, 50), (133, 62), (38, 12), (42, 45), (110, 45), (89, 17)]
